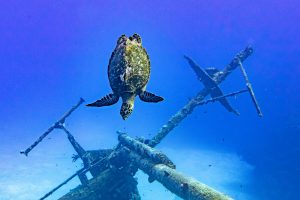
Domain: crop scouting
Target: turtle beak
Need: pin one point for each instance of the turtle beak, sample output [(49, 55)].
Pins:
[(124, 117)]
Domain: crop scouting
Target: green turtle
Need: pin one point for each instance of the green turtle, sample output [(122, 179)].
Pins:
[(128, 74)]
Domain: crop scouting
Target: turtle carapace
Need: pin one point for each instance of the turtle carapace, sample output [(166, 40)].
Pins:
[(128, 74)]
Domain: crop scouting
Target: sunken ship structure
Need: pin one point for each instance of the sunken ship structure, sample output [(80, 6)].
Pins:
[(113, 170)]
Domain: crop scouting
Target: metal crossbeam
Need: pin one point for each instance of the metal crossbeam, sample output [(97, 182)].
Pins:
[(57, 124), (194, 102), (221, 97)]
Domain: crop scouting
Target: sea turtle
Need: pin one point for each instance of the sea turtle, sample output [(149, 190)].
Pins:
[(128, 74)]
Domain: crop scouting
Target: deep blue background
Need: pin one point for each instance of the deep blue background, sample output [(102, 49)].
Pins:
[(53, 52)]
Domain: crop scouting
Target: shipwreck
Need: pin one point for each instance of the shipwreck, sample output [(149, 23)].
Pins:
[(113, 169)]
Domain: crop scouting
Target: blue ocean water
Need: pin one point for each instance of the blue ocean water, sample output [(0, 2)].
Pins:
[(54, 52)]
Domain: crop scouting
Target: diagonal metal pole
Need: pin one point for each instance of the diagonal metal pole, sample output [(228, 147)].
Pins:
[(77, 147), (79, 173), (57, 124), (194, 102), (63, 183), (183, 186)]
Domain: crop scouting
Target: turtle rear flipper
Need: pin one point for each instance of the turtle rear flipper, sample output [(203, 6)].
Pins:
[(108, 100), (149, 97)]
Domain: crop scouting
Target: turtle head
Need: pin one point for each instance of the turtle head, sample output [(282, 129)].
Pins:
[(127, 106), (126, 110)]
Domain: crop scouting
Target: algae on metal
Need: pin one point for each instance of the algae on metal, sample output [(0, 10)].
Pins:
[(176, 182)]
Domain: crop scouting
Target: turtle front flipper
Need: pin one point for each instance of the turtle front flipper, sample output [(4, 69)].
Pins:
[(108, 100), (149, 97)]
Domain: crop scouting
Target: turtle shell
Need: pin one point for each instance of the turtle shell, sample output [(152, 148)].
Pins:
[(129, 66)]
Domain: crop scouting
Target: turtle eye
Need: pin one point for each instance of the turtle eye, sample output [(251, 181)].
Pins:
[(122, 39)]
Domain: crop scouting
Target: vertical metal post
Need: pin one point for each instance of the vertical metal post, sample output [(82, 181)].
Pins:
[(251, 92)]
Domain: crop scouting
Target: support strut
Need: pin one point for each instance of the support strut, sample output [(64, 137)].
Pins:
[(57, 124), (251, 92)]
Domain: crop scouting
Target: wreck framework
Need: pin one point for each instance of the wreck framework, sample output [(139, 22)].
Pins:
[(113, 170)]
